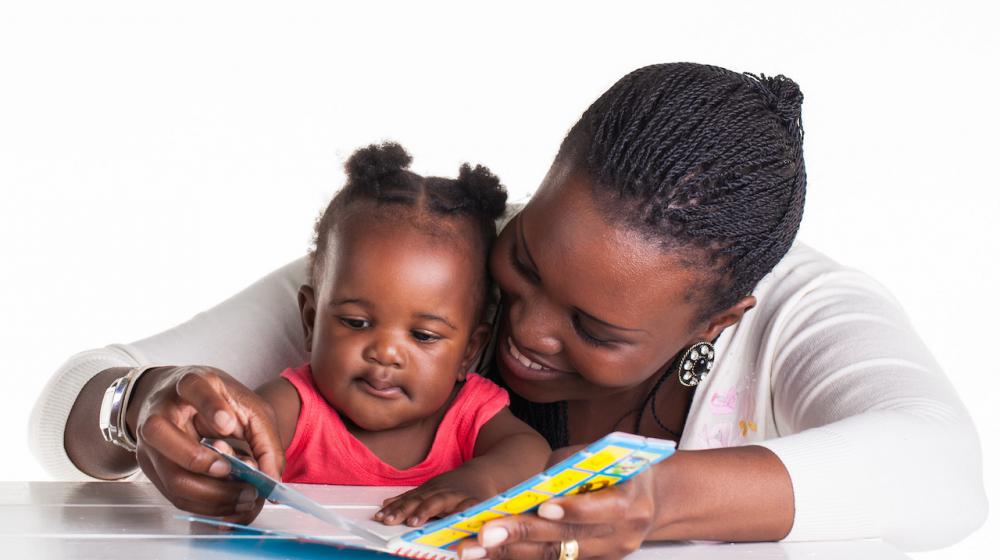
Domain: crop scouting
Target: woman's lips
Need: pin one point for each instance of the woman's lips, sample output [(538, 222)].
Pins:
[(524, 360), (379, 389), (524, 367)]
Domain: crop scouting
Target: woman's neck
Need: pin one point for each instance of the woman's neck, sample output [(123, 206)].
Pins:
[(590, 419)]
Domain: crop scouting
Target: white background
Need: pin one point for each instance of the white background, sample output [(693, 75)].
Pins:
[(155, 158)]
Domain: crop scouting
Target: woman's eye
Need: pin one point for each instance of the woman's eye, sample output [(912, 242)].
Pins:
[(586, 336), (424, 336), (522, 269), (354, 323)]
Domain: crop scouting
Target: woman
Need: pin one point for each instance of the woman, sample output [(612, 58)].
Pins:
[(664, 227)]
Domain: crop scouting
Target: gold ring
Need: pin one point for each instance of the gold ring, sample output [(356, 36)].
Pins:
[(569, 550)]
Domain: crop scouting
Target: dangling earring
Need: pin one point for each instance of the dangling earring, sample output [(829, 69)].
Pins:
[(696, 363)]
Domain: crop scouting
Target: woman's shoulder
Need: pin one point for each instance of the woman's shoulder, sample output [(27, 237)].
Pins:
[(804, 271), (807, 288)]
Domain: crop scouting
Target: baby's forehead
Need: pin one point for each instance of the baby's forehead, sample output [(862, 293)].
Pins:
[(398, 269), (413, 250), (406, 226)]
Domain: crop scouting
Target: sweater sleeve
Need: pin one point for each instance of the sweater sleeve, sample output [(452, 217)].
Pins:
[(874, 437), (253, 336)]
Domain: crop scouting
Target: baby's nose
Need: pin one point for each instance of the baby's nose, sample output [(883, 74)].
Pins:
[(385, 352)]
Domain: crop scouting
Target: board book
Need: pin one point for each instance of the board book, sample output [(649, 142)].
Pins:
[(611, 460)]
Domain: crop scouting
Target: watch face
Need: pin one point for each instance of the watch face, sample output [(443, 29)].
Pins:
[(105, 416), (111, 409)]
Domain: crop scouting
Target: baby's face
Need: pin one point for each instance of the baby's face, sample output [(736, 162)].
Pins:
[(394, 316)]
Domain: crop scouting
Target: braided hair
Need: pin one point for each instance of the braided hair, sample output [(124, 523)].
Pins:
[(379, 174), (703, 161), (699, 158)]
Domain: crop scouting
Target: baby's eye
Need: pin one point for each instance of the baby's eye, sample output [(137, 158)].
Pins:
[(424, 336), (355, 323)]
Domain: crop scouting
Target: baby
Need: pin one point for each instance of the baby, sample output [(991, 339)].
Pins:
[(393, 317)]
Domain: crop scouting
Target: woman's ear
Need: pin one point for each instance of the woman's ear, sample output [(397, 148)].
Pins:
[(477, 342), (307, 311), (725, 318)]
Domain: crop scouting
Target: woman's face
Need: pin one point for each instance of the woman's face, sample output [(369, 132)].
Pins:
[(589, 308)]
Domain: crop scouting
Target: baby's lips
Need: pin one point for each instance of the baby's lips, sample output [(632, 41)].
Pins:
[(385, 388)]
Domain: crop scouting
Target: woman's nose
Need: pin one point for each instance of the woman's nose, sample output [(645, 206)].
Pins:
[(385, 351), (534, 325)]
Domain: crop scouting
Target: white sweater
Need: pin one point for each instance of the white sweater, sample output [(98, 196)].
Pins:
[(826, 372)]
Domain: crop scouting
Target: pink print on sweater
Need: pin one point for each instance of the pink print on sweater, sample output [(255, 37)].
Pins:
[(724, 403)]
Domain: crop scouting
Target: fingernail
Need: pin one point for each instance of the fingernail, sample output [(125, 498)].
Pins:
[(493, 536), (551, 511), (413, 521), (473, 553), (244, 506), (248, 495), (218, 468), (379, 515), (223, 420)]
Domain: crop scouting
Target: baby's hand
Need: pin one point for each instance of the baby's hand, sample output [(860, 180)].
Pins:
[(442, 495)]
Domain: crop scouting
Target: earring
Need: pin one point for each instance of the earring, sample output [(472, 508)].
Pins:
[(696, 363)]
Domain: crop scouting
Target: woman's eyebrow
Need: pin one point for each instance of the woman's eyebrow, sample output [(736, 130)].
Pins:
[(439, 318), (607, 324)]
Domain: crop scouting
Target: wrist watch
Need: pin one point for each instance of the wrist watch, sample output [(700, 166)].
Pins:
[(113, 408)]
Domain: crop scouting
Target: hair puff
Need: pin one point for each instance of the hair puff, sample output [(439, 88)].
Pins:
[(485, 189), (368, 166)]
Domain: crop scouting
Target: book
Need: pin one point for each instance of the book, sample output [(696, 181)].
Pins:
[(611, 460)]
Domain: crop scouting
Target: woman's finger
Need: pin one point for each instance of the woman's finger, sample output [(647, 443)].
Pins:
[(525, 551), (623, 512), (470, 549), (209, 399), (178, 447), (261, 433), (196, 493), (530, 528), (223, 446), (593, 547)]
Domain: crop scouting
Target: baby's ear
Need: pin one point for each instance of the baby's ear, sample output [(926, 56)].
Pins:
[(477, 343), (307, 312)]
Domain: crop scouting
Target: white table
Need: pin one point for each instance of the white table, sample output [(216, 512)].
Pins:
[(131, 520)]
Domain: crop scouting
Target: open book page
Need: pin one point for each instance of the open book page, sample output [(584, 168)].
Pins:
[(611, 460)]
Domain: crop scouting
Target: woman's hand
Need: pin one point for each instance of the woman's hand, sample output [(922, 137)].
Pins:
[(692, 495), (185, 404), (607, 523), (626, 511), (442, 495)]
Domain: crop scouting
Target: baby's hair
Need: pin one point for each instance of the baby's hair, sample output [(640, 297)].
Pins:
[(379, 174)]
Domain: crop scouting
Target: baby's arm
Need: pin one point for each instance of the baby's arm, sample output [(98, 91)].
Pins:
[(507, 451)]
